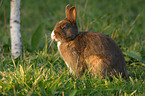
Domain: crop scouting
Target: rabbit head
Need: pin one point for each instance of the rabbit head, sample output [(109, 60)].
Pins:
[(66, 30)]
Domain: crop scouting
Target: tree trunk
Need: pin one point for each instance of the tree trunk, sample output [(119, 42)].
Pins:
[(16, 44)]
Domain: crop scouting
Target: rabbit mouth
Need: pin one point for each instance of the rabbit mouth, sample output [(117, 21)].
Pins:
[(53, 36)]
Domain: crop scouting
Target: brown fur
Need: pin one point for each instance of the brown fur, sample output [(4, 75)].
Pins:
[(88, 50)]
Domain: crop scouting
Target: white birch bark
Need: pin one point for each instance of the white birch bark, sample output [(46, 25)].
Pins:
[(16, 44)]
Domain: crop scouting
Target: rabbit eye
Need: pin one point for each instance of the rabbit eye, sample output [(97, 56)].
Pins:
[(64, 27)]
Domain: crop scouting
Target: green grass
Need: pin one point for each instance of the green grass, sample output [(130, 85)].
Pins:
[(43, 72)]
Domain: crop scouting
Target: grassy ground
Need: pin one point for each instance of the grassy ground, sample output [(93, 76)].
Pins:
[(43, 72)]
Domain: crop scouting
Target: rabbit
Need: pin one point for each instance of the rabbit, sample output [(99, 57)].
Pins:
[(82, 51)]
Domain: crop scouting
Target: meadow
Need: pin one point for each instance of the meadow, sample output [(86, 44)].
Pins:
[(42, 72)]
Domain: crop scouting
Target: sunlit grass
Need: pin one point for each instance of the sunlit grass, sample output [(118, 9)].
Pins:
[(46, 74)]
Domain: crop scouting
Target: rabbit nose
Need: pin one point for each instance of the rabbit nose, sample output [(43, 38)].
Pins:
[(53, 35)]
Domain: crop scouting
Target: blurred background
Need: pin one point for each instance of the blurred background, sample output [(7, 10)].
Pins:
[(122, 20)]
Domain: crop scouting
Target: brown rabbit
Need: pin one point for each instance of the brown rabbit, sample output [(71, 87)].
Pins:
[(91, 51)]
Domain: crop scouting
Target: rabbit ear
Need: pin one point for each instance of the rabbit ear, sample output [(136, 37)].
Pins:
[(71, 13), (67, 9)]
